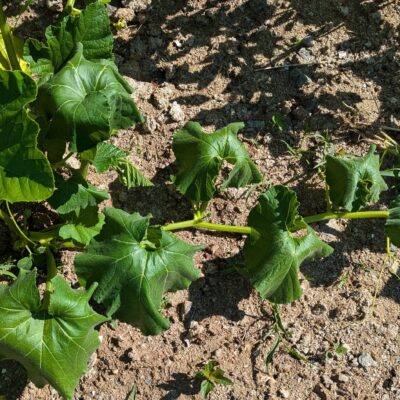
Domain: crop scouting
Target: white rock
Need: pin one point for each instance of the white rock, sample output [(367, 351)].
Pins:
[(176, 112)]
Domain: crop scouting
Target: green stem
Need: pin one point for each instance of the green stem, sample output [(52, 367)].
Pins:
[(196, 223), (8, 41), (16, 227), (346, 215), (51, 273), (84, 169), (45, 237)]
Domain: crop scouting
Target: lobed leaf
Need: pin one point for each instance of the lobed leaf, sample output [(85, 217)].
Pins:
[(104, 156), (91, 28), (135, 266), (25, 173), (274, 255), (199, 159), (85, 102), (129, 175), (392, 225), (354, 181), (55, 345), (75, 194)]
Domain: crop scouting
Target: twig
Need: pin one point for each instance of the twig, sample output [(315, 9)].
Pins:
[(287, 66)]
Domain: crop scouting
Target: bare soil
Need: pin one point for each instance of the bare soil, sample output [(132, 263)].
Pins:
[(223, 61)]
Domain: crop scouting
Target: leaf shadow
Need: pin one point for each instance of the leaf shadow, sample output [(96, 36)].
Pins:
[(180, 384), (13, 379), (205, 293)]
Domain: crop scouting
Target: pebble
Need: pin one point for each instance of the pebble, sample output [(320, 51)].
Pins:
[(284, 393), (308, 41), (305, 54), (365, 360), (342, 55), (124, 14), (298, 78), (343, 378), (176, 112), (54, 5)]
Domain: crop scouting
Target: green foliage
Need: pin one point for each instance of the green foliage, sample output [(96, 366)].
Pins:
[(392, 226), (354, 182), (210, 376), (53, 345), (200, 156), (91, 28), (25, 173), (129, 175), (104, 156), (273, 257), (134, 267), (85, 102)]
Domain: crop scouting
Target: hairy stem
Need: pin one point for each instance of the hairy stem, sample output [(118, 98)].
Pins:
[(8, 41)]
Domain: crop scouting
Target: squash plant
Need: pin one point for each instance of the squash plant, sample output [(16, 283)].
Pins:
[(68, 102)]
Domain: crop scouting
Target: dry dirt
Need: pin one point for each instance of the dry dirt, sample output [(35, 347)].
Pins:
[(216, 60)]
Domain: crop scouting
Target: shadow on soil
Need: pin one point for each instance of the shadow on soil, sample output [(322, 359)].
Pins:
[(180, 384)]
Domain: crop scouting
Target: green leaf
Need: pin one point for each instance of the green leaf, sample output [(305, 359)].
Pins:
[(25, 173), (129, 175), (205, 388), (354, 181), (200, 156), (274, 255), (272, 350), (91, 28), (85, 102), (133, 275), (83, 226), (55, 345), (75, 194), (392, 225), (104, 156)]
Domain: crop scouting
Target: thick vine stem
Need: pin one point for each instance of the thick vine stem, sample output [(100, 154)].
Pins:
[(6, 33)]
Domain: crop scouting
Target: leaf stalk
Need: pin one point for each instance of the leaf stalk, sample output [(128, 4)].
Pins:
[(6, 33)]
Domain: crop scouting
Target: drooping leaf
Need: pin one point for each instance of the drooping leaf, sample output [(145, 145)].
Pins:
[(354, 182), (25, 173), (55, 345), (274, 255), (91, 28), (75, 194), (18, 47), (392, 226), (199, 158), (85, 102), (104, 156), (129, 175), (82, 226), (133, 273)]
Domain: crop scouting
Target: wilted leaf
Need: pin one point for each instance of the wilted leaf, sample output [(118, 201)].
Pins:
[(273, 257), (200, 156)]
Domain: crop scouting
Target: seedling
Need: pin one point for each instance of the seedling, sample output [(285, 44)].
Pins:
[(76, 102), (211, 375)]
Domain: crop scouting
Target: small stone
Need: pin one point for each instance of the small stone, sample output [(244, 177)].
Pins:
[(305, 54), (345, 11), (183, 310), (114, 371), (365, 360), (176, 112), (3, 371), (343, 378), (319, 309), (300, 113), (284, 393), (298, 78), (308, 41), (342, 55), (177, 43), (54, 5)]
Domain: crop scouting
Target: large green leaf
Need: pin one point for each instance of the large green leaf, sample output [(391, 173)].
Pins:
[(199, 158), (392, 226), (91, 28), (354, 181), (135, 266), (25, 173), (274, 255), (85, 102), (54, 345), (75, 194)]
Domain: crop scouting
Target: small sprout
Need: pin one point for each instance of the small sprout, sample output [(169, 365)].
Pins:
[(210, 376), (277, 121)]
